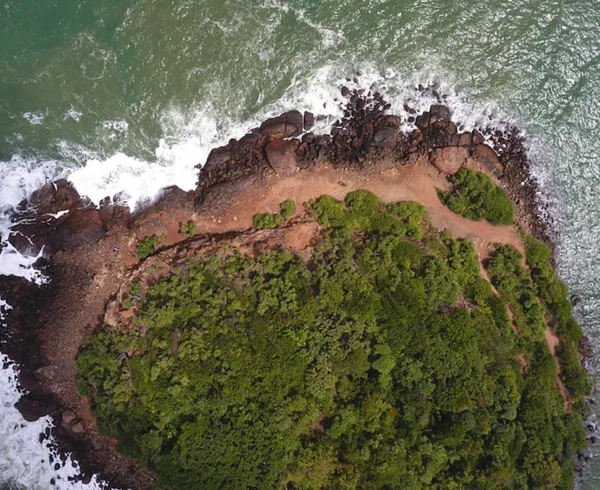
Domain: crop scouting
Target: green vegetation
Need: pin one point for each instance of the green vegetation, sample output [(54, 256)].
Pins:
[(267, 220), (287, 209), (146, 247), (553, 293), (476, 197), (188, 229), (385, 362)]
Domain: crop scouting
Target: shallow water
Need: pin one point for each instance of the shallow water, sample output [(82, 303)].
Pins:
[(130, 95)]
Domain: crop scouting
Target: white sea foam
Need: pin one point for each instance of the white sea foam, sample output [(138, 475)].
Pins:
[(25, 461), (35, 118)]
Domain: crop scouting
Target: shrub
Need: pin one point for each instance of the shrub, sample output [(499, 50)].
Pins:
[(287, 209), (266, 221), (188, 229), (147, 246), (476, 197)]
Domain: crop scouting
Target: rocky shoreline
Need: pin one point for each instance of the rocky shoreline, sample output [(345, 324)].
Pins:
[(90, 250)]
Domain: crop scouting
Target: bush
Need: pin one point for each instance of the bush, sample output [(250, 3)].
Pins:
[(147, 246), (188, 229), (476, 197), (267, 221), (287, 209)]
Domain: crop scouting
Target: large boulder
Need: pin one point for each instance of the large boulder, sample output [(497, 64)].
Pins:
[(488, 160), (80, 227), (385, 137), (309, 121), (32, 408), (54, 197), (449, 159), (286, 125), (217, 158), (281, 155)]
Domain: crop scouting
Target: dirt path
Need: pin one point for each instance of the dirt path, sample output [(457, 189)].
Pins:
[(416, 182)]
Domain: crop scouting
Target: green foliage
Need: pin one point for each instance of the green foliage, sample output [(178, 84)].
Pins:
[(553, 294), (476, 197), (362, 210), (146, 247), (188, 229), (287, 209), (514, 284), (355, 370), (266, 220)]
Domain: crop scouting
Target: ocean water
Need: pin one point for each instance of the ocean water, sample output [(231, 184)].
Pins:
[(126, 95)]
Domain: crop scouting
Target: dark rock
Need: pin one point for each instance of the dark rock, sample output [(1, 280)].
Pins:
[(249, 139), (477, 138), (286, 125), (575, 300), (216, 158), (449, 159), (281, 155), (345, 91), (81, 227), (393, 121), (422, 120), (28, 380), (309, 121), (32, 409), (54, 197), (385, 137), (439, 112)]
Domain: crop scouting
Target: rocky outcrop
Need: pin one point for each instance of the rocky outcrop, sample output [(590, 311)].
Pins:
[(449, 159), (287, 125), (281, 155)]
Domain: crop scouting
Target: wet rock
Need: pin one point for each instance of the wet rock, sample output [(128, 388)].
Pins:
[(393, 121), (422, 120), (488, 160), (81, 227), (286, 125), (28, 380), (438, 112), (309, 121), (54, 197), (449, 159), (385, 137), (216, 158), (477, 138), (32, 409), (281, 155)]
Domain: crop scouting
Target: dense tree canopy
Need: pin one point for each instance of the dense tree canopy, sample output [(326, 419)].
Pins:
[(384, 362)]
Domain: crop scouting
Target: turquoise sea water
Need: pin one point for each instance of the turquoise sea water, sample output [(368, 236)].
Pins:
[(130, 95)]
